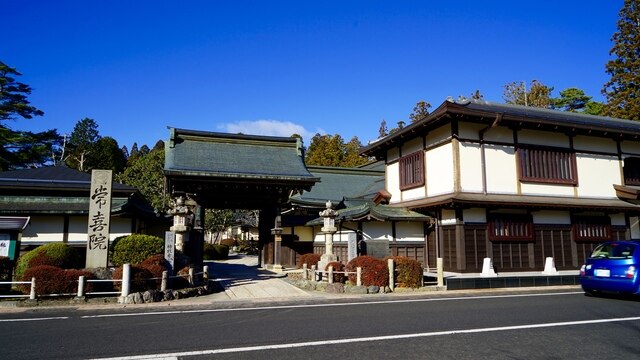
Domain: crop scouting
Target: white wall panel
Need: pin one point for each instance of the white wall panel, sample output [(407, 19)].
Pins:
[(499, 134), (618, 219), (591, 143), (377, 230), (440, 170), (304, 233), (474, 215), (470, 167), (438, 135), (551, 217), (540, 189), (597, 174), (44, 228), (501, 169), (409, 231), (393, 182), (469, 130), (547, 138), (412, 146)]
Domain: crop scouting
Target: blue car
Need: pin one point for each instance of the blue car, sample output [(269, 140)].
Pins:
[(612, 267)]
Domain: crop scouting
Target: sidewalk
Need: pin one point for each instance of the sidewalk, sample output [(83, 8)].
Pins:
[(242, 279)]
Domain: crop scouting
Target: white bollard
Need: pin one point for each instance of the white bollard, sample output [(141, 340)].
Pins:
[(126, 280), (205, 276), (305, 271), (487, 268), (358, 276), (313, 271), (330, 278), (190, 276), (440, 271), (163, 283), (550, 267), (81, 286), (32, 295), (392, 279)]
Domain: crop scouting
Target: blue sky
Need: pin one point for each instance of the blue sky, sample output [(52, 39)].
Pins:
[(283, 67)]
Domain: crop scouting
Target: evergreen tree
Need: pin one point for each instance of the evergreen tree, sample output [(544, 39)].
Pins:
[(420, 111), (21, 149), (146, 174), (623, 89), (538, 94), (330, 150)]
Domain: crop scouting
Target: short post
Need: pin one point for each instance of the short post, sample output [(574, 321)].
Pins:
[(126, 280), (440, 272), (80, 286), (32, 295), (330, 274), (305, 271), (190, 276), (358, 276), (313, 270), (392, 279), (165, 277), (205, 276)]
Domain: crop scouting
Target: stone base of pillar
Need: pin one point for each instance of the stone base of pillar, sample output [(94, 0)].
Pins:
[(277, 268), (325, 259)]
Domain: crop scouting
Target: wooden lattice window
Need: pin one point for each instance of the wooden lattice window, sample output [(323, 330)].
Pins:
[(547, 166), (511, 228), (631, 171), (591, 228), (412, 170)]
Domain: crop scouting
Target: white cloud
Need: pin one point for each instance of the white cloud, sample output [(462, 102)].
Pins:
[(269, 128)]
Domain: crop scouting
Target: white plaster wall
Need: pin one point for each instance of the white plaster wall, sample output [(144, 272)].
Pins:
[(597, 174), (77, 229), (120, 227), (591, 143), (470, 130), (415, 193), (393, 182), (635, 227), (440, 170), (438, 135), (448, 217), (546, 189), (412, 146), (502, 177), (305, 233), (377, 230), (470, 167), (551, 217), (630, 147), (474, 215), (618, 219), (548, 138), (44, 228), (409, 231), (344, 235), (499, 134), (393, 154)]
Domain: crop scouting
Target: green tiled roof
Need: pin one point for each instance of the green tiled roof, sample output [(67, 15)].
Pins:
[(209, 154), (369, 211), (60, 205), (48, 178), (339, 183)]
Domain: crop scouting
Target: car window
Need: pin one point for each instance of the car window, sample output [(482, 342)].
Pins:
[(613, 251)]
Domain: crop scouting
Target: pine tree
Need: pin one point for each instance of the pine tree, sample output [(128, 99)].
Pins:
[(623, 89)]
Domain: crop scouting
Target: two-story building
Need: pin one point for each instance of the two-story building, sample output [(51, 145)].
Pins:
[(516, 184)]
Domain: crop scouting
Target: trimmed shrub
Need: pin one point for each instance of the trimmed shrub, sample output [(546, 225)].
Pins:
[(57, 254), (374, 271), (229, 242), (54, 280), (139, 279), (156, 265), (135, 248), (408, 272), (216, 252), (337, 266), (309, 259), (249, 247)]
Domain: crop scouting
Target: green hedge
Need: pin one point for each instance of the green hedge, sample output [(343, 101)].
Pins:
[(216, 252), (54, 254), (135, 248)]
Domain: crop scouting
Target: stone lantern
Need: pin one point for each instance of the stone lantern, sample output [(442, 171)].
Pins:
[(329, 228), (277, 249), (181, 222)]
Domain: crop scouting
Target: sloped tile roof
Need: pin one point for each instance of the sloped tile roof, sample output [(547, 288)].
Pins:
[(53, 178)]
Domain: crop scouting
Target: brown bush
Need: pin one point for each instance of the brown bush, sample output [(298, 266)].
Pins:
[(309, 259), (374, 271), (408, 272), (229, 242), (337, 266), (54, 280)]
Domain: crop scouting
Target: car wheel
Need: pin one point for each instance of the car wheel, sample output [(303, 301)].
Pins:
[(591, 293)]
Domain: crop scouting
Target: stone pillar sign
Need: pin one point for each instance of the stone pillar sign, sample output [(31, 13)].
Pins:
[(99, 219)]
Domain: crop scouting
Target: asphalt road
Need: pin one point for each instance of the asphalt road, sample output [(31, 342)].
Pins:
[(564, 325)]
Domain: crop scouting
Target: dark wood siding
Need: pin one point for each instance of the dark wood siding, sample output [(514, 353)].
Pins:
[(413, 250), (432, 256), (475, 238), (553, 241), (510, 256), (449, 248)]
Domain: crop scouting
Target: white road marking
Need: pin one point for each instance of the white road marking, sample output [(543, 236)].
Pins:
[(35, 319), (369, 339), (173, 312)]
